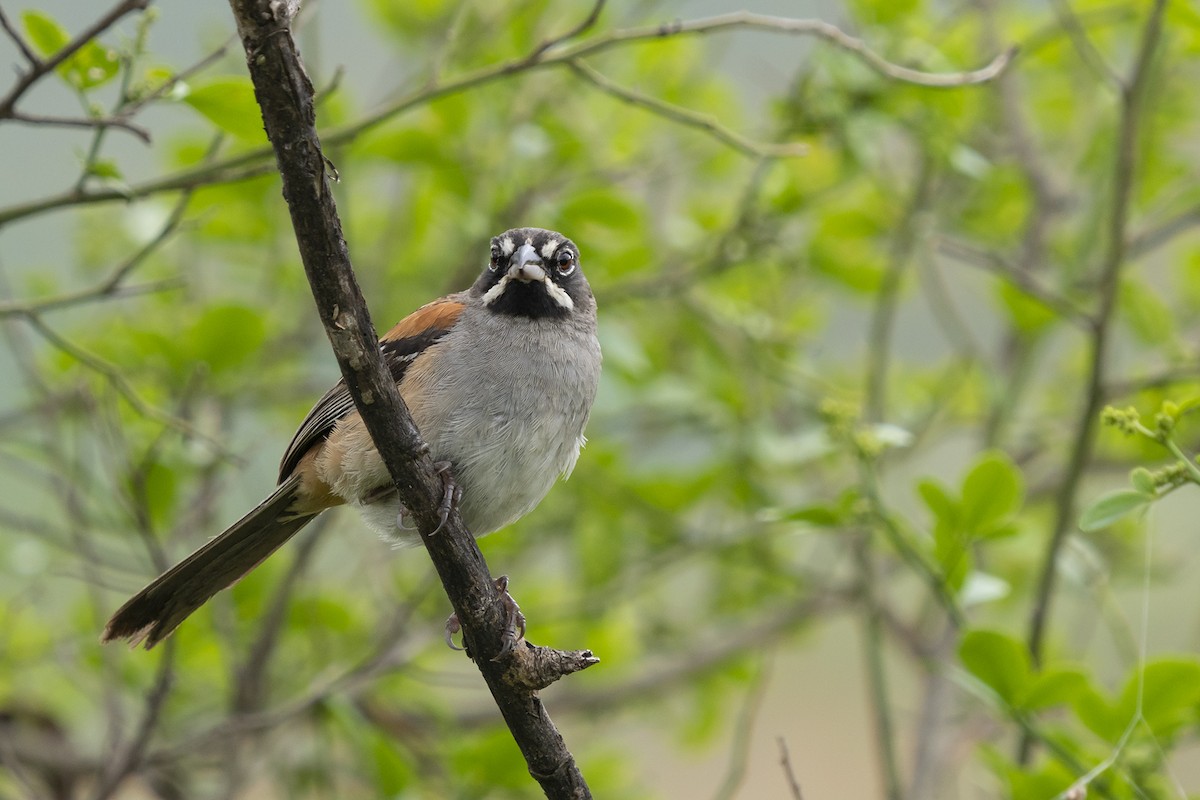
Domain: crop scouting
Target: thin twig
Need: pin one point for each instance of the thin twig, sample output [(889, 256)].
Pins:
[(43, 67), (19, 40), (135, 751), (120, 383), (584, 25), (1133, 94), (1146, 241), (1021, 279), (1084, 46), (687, 117), (743, 731), (113, 285), (81, 122), (905, 239), (785, 762), (805, 27), (885, 734), (133, 107), (248, 694)]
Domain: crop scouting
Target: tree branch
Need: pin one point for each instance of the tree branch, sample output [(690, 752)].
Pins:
[(1133, 93), (285, 96), (687, 117), (251, 163), (82, 122), (19, 40)]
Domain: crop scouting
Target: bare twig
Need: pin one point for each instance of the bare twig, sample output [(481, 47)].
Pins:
[(81, 122), (1146, 241), (130, 108), (905, 239), (114, 285), (248, 692), (121, 384), (19, 40), (131, 756), (885, 735), (805, 27), (1084, 46), (584, 26), (43, 67), (1021, 279), (785, 762), (743, 735), (687, 117)]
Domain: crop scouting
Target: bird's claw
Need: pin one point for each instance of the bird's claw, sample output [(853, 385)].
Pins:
[(514, 621), (451, 495)]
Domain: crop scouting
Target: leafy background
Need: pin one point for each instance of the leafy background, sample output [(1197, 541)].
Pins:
[(848, 399)]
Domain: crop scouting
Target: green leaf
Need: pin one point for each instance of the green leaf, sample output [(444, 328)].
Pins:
[(1112, 507), (88, 67), (160, 485), (991, 492), (1030, 315), (1054, 687), (104, 168), (1101, 716), (821, 516), (91, 65), (44, 33), (1148, 317), (944, 508), (225, 336), (228, 102), (999, 661), (1170, 692)]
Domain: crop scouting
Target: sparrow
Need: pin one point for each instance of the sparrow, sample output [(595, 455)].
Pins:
[(500, 381)]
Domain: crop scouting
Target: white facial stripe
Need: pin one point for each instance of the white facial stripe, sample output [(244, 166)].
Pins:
[(548, 249), (493, 294), (507, 246), (559, 296)]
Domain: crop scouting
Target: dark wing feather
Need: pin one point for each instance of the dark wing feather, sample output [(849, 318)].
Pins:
[(400, 346)]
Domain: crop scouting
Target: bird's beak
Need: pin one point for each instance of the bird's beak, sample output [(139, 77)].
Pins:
[(526, 265)]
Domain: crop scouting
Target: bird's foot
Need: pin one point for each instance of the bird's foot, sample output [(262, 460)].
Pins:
[(451, 493), (514, 622)]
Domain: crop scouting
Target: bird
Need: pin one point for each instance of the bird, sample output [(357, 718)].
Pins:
[(500, 381)]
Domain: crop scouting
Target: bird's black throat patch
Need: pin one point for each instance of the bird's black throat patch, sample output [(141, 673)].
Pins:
[(528, 300)]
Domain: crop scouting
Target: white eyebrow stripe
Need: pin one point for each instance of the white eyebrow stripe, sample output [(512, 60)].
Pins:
[(507, 246), (548, 249)]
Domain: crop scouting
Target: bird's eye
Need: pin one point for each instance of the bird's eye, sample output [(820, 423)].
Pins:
[(495, 262), (565, 262)]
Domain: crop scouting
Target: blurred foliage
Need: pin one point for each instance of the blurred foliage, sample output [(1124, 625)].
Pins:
[(863, 384)]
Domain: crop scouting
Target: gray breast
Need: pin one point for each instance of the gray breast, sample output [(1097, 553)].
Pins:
[(508, 409)]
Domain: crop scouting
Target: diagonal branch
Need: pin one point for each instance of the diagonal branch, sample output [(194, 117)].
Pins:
[(687, 117), (805, 27), (285, 96)]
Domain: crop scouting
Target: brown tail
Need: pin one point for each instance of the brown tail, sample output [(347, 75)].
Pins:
[(155, 611)]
